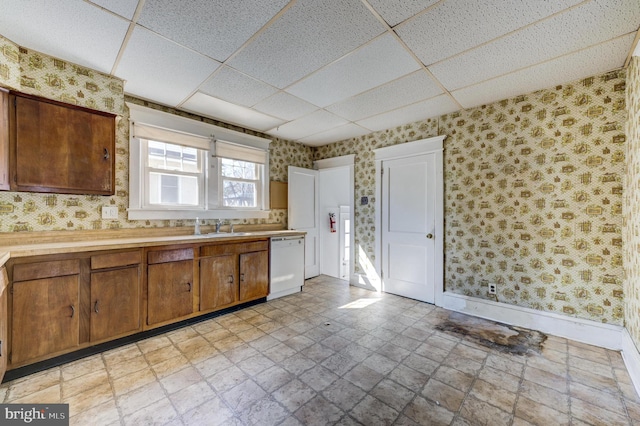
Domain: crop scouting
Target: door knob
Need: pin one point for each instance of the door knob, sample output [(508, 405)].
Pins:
[(430, 236)]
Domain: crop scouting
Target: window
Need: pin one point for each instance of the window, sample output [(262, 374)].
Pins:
[(179, 170), (175, 174), (240, 182)]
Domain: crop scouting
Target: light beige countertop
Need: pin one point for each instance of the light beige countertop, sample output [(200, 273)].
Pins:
[(63, 245)]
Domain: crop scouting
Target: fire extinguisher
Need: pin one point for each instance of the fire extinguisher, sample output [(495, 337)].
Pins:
[(332, 222)]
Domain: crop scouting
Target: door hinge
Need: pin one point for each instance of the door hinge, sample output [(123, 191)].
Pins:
[(381, 171)]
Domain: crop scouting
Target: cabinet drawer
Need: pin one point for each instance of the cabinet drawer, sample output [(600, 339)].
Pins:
[(112, 260), (54, 268), (169, 255), (234, 248)]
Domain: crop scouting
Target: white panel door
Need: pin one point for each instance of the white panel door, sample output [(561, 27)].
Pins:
[(303, 214), (408, 226)]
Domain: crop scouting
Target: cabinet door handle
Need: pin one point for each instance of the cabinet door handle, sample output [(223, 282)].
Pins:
[(189, 285), (95, 307), (230, 280), (242, 277), (73, 310), (106, 154)]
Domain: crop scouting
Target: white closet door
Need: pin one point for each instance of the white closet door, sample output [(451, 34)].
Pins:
[(408, 226), (303, 214)]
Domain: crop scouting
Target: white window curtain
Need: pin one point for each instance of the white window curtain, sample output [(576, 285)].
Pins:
[(145, 131), (240, 152)]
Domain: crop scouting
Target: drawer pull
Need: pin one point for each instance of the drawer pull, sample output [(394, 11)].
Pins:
[(189, 286), (230, 281), (95, 307), (241, 277), (106, 154), (73, 310)]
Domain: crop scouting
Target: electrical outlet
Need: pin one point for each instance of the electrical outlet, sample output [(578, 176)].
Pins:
[(492, 289), (109, 212)]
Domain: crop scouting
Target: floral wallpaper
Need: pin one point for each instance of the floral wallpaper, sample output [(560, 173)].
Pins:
[(533, 186), (631, 232), (35, 73), (533, 196)]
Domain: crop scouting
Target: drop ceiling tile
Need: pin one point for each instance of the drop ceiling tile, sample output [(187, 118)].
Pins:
[(158, 69), (396, 11), (216, 29), (125, 8), (567, 68), (336, 134), (233, 86), (454, 26), (221, 110), (564, 33), (309, 35), (378, 62), (407, 90), (316, 122), (71, 30), (285, 106), (419, 111)]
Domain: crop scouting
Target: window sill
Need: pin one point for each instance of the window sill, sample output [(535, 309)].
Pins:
[(164, 214)]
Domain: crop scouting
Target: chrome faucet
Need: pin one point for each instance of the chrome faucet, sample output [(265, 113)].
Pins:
[(218, 224), (196, 228)]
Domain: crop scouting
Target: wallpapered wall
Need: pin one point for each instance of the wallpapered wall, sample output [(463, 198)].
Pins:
[(35, 73), (631, 230), (533, 196), (533, 186)]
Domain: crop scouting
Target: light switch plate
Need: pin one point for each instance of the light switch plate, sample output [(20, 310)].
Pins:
[(109, 212)]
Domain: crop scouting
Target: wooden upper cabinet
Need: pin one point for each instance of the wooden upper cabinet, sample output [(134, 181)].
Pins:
[(61, 148), (4, 140)]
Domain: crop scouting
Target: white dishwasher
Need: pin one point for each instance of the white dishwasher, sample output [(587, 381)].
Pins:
[(287, 266)]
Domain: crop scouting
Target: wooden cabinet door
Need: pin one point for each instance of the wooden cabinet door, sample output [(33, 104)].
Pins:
[(61, 148), (218, 281), (170, 291), (254, 275), (4, 283), (45, 317), (115, 302)]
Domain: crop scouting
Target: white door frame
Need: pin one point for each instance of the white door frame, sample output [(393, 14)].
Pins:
[(432, 145), (344, 161)]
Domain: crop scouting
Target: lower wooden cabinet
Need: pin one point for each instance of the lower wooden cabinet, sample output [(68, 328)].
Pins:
[(115, 294), (45, 320), (115, 302), (218, 281), (61, 303), (254, 275), (169, 285), (233, 273)]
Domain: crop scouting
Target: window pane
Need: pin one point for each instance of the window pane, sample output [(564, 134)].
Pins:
[(239, 169), (173, 157), (173, 189), (239, 194)]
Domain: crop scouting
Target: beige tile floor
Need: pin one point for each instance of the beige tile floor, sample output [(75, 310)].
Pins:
[(335, 354)]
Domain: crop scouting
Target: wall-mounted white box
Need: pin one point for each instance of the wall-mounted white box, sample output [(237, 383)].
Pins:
[(109, 212)]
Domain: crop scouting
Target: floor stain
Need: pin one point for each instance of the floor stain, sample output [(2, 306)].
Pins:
[(502, 337)]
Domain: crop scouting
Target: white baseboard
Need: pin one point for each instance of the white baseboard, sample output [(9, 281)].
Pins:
[(585, 331), (631, 356)]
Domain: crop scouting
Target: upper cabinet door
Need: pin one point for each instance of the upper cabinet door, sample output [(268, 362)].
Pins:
[(60, 148)]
